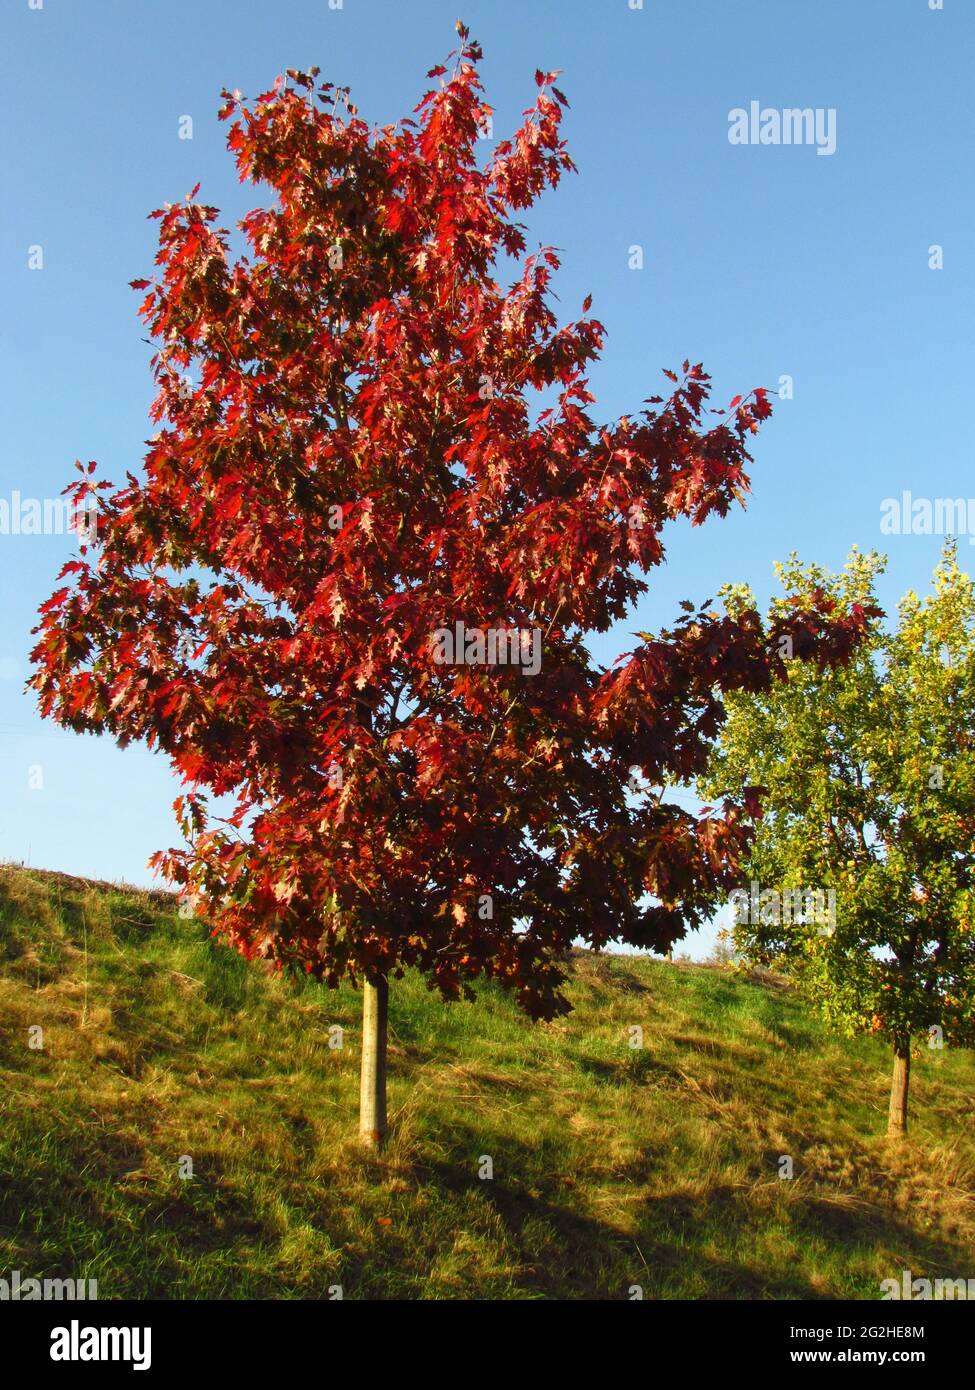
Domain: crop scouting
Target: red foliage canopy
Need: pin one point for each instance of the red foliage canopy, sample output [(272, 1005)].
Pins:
[(357, 469)]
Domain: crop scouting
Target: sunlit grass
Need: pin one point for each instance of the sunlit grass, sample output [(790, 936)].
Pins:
[(613, 1166)]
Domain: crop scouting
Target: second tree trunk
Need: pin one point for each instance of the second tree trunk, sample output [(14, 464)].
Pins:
[(897, 1117)]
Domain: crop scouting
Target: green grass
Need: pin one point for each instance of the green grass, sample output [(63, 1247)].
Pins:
[(612, 1166)]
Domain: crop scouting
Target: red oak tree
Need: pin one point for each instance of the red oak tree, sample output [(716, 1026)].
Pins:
[(358, 468)]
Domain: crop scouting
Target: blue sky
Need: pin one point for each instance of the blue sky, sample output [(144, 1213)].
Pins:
[(761, 261)]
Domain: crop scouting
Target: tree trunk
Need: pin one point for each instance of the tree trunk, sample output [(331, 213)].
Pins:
[(372, 1085), (897, 1117)]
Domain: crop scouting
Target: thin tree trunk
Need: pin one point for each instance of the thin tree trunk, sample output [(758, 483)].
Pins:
[(897, 1117), (372, 1085)]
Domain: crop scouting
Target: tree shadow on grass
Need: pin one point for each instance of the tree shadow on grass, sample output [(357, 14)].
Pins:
[(565, 1252), (638, 1067)]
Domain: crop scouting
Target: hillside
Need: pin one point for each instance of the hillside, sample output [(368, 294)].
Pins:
[(612, 1166)]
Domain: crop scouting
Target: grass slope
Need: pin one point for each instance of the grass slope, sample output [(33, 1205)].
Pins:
[(612, 1166)]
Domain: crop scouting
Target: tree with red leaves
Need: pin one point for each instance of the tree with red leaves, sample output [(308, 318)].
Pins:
[(352, 589)]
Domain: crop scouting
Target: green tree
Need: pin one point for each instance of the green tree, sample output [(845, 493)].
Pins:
[(862, 870)]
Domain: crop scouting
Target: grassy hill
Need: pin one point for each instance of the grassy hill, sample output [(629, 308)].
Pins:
[(612, 1166)]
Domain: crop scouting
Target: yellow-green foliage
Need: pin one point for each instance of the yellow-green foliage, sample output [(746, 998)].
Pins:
[(869, 777)]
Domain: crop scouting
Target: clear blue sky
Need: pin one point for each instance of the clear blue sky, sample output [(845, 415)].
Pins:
[(759, 261)]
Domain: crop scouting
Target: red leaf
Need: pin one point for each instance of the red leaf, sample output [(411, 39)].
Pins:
[(55, 601)]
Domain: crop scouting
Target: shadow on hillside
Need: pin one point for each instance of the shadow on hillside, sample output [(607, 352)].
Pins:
[(149, 1241), (565, 1252), (638, 1067), (141, 1238), (605, 972)]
